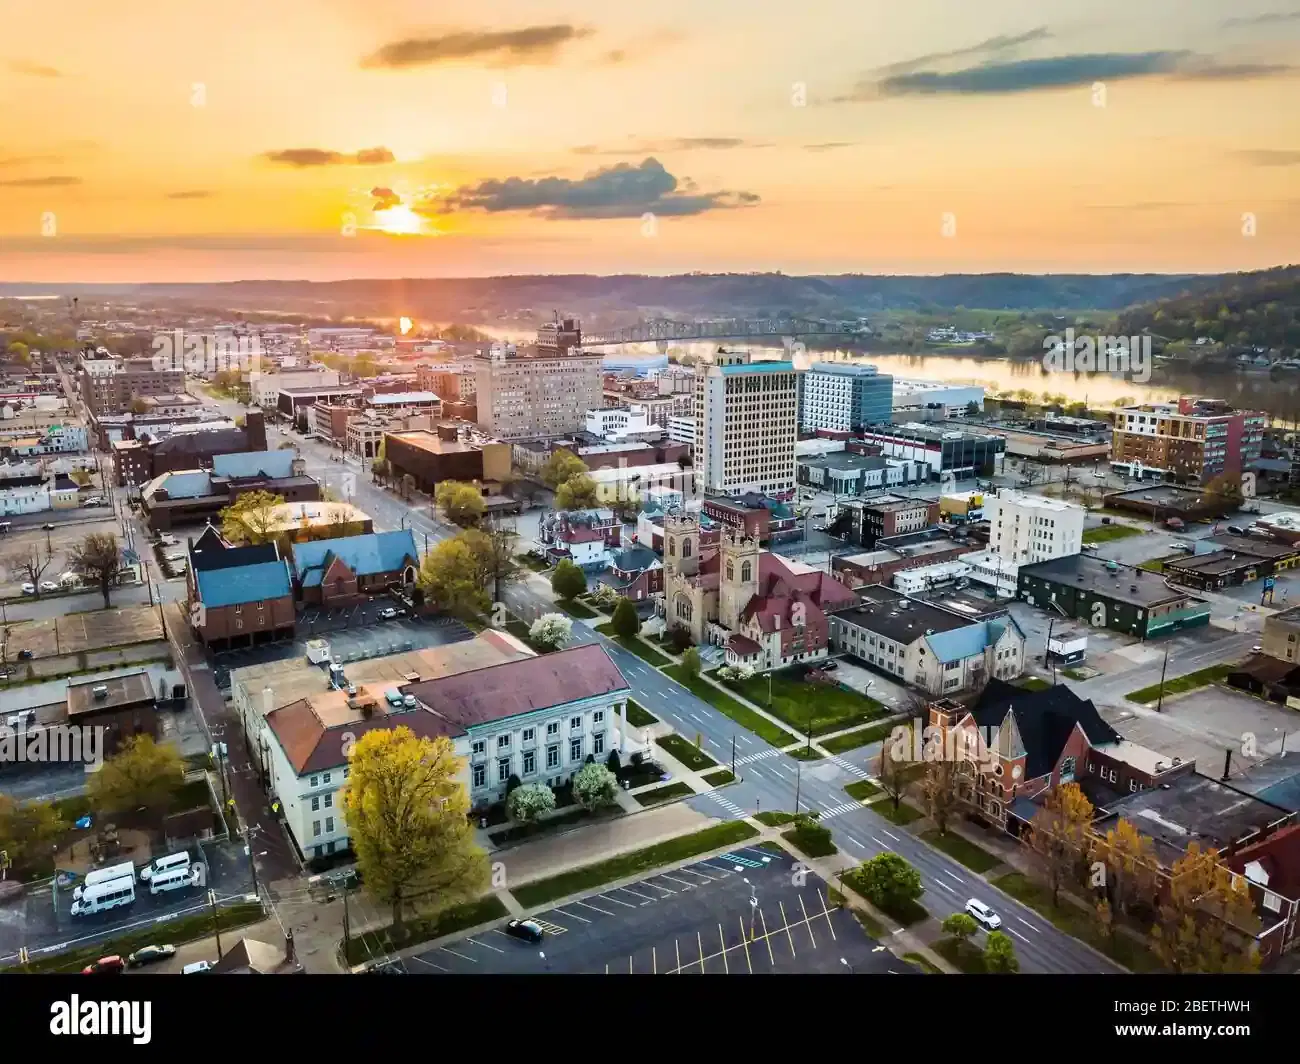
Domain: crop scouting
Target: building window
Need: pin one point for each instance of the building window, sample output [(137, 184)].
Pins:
[(480, 775), (529, 735), (313, 781), (315, 828), (329, 826), (575, 723), (530, 763), (346, 770), (575, 749), (1067, 770), (325, 778), (598, 716), (503, 770), (329, 801), (598, 743), (552, 757), (503, 741), (479, 747), (553, 729), (315, 802)]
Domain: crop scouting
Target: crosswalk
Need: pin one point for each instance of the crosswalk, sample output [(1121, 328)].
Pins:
[(729, 806), (836, 810), (851, 769), (769, 752), (739, 859), (548, 927)]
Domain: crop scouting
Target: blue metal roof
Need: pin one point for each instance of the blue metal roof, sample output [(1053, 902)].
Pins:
[(367, 555), (188, 484), (759, 367), (243, 583), (960, 643), (254, 463)]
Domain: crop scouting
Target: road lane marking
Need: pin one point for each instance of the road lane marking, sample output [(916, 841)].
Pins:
[(722, 941), (890, 834), (475, 942), (1017, 934), (807, 922), (879, 843), (1029, 925), (945, 886), (588, 905), (747, 742), (460, 955), (951, 876), (785, 920), (855, 842), (574, 916)]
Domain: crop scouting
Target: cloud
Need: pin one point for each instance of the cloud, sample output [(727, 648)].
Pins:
[(40, 182), (1209, 70), (1269, 19), (33, 70), (649, 44), (991, 46), (531, 44), (621, 191), (664, 147), (191, 194), (305, 157), (29, 160), (384, 198), (829, 145), (1270, 157)]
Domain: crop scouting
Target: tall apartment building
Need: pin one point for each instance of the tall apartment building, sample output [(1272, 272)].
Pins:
[(1193, 440), (1027, 528), (109, 385), (745, 431), (844, 397), (546, 392)]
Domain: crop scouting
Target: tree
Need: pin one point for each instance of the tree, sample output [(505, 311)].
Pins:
[(614, 762), (379, 470), (251, 518), (895, 761), (551, 630), (17, 351), (97, 559), (560, 467), (530, 801), (568, 581), (625, 621), (941, 791), (139, 406), (594, 786), (1057, 837), (495, 550), (408, 486), (1207, 921), (28, 832), (1132, 870), (960, 926), (408, 816), (1000, 954), (451, 578), (691, 663), (143, 773), (29, 563), (576, 493), (890, 882), (461, 504)]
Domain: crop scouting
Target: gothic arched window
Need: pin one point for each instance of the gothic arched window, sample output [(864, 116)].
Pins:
[(746, 572)]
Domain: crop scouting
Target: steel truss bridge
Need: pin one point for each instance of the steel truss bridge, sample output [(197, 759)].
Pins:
[(662, 330)]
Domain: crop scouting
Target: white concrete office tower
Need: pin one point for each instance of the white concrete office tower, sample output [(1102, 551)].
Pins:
[(1027, 528), (745, 424)]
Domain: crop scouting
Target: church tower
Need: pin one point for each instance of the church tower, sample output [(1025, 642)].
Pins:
[(738, 581), (681, 545)]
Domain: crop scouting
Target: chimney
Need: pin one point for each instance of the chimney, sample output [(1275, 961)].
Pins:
[(255, 429)]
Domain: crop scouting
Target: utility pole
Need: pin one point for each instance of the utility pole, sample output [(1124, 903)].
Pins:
[(798, 777), (250, 834), (216, 927), (1160, 701), (733, 756)]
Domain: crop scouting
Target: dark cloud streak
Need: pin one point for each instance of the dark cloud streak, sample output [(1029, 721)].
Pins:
[(40, 182), (302, 158), (531, 44)]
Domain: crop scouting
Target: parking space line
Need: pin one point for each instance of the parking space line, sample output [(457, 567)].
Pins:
[(785, 920), (629, 964), (573, 916), (764, 855), (807, 923), (587, 905), (767, 938), (666, 890), (498, 931), (460, 955), (723, 872), (431, 964), (679, 882), (645, 899), (475, 942), (744, 942), (830, 926), (699, 941), (678, 949), (692, 872), (722, 941)]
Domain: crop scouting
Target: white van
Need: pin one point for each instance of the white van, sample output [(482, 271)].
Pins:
[(100, 897), (105, 875), (174, 879), (171, 863)]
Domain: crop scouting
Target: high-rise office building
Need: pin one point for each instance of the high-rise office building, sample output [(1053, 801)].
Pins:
[(1195, 440), (543, 392), (745, 431), (844, 396)]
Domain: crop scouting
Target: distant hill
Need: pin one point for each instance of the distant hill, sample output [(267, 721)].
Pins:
[(627, 298), (1241, 310)]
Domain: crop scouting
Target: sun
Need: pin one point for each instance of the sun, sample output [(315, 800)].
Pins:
[(399, 220)]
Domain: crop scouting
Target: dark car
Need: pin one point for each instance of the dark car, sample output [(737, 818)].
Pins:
[(105, 966), (150, 955), (828, 666), (47, 527), (528, 930), (24, 655)]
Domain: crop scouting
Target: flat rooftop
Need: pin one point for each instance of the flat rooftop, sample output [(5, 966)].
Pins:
[(291, 515), (1215, 563), (120, 692), (1165, 494), (1194, 808), (897, 617), (435, 444), (1123, 584), (1256, 545)]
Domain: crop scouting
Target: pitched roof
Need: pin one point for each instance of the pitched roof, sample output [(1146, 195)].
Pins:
[(205, 555), (182, 484), (202, 444), (635, 559), (1043, 719), (962, 643), (254, 463), (238, 584), (1273, 862), (366, 555)]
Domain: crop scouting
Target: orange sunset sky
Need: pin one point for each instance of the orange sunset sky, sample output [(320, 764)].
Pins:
[(185, 140)]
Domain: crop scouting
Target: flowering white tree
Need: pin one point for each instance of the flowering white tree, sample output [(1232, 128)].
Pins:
[(551, 629), (594, 786), (530, 801), (744, 672)]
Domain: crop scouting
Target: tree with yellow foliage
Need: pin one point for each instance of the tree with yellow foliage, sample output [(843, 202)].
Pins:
[(1130, 867), (1207, 921), (251, 517), (408, 816), (1057, 838)]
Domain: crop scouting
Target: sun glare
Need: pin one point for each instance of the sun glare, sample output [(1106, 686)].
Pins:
[(405, 325), (399, 220)]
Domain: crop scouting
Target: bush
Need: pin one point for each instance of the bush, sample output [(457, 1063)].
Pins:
[(625, 621), (594, 786), (613, 763), (568, 581), (691, 663), (679, 638), (636, 759), (529, 802), (550, 630), (511, 784)]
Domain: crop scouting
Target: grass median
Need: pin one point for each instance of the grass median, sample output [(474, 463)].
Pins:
[(851, 740), (976, 858), (635, 645), (638, 716), (627, 865), (687, 753), (383, 942), (1180, 684), (862, 790), (664, 794), (824, 707), (574, 608), (720, 778), (765, 729)]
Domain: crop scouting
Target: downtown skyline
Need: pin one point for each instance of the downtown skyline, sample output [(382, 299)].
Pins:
[(328, 139)]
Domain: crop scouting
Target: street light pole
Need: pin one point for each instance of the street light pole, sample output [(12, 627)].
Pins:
[(798, 775), (1160, 701)]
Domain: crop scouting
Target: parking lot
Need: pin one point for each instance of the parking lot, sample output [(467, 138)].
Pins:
[(57, 542), (749, 911)]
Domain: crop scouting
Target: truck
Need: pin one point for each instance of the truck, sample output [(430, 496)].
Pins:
[(318, 651)]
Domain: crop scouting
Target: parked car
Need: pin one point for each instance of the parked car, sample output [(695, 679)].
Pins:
[(528, 930), (196, 968), (47, 527), (105, 966), (388, 614), (150, 955), (1256, 650), (49, 585), (983, 915), (29, 589), (24, 655)]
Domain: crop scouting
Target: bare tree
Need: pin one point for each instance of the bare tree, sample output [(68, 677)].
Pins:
[(28, 563), (98, 559)]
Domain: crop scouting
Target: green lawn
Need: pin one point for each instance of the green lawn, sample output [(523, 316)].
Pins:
[(177, 932), (925, 964), (720, 778), (1031, 683), (966, 957), (638, 717), (664, 794), (537, 565), (422, 929), (590, 877), (773, 819), (851, 740), (902, 816), (1074, 674), (832, 708), (770, 733), (686, 752), (1155, 565), (871, 925), (804, 753), (1077, 923), (862, 790), (810, 844), (635, 645), (906, 914), (575, 608), (975, 858), (1178, 684), (1108, 533)]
